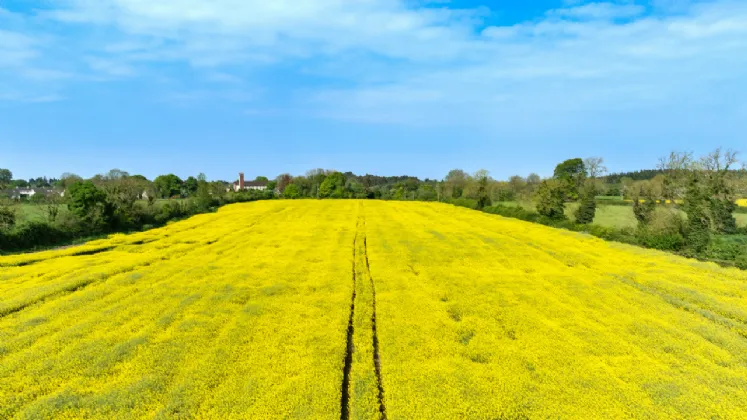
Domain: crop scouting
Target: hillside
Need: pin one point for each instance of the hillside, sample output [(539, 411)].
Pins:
[(317, 309)]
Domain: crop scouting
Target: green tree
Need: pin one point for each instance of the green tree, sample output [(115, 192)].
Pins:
[(168, 185), (6, 176), (427, 192), (587, 207), (292, 191), (333, 186), (316, 177), (7, 218), (354, 189), (18, 183), (550, 199), (572, 174), (190, 186), (483, 194), (89, 204), (261, 179), (698, 232), (644, 203), (271, 185), (203, 196)]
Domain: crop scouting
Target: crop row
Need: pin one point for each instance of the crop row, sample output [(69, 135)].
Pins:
[(486, 317), (225, 315)]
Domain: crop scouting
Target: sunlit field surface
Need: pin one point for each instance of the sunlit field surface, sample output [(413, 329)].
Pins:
[(323, 309)]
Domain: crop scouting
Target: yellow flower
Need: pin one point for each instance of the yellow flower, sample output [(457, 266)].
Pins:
[(307, 308)]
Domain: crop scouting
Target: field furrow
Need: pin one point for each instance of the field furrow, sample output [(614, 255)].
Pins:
[(365, 389)]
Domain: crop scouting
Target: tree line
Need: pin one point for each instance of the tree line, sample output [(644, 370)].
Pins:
[(704, 190), (115, 201)]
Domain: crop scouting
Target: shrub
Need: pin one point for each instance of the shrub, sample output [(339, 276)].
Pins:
[(291, 191), (644, 209), (7, 218), (665, 230), (727, 247), (662, 241), (33, 235), (464, 202), (741, 260)]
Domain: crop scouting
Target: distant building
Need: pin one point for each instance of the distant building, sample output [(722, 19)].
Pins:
[(26, 193), (242, 185)]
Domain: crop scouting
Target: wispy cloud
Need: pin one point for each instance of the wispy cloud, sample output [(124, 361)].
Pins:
[(16, 49), (286, 28), (404, 62)]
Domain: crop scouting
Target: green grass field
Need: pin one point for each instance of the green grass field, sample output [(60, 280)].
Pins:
[(612, 216), (27, 212), (741, 219)]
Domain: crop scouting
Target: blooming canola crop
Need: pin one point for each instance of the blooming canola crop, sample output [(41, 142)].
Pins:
[(368, 309)]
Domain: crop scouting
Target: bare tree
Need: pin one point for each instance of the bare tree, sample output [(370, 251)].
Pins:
[(456, 182), (283, 180), (67, 179), (719, 160), (517, 185), (677, 166), (595, 167), (533, 179)]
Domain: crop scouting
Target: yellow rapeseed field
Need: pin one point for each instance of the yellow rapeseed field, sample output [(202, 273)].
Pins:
[(368, 309), (742, 202)]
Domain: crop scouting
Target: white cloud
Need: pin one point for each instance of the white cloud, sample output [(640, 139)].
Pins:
[(392, 61), (604, 11), (294, 28), (571, 72)]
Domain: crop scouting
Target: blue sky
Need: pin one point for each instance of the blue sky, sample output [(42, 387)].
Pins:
[(382, 86)]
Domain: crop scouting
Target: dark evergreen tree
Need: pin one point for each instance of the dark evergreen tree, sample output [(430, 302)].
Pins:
[(698, 233), (587, 204), (551, 199)]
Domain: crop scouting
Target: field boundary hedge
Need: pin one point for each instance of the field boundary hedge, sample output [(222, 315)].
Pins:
[(722, 252)]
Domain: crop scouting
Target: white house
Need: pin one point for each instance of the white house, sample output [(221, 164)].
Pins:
[(250, 185), (24, 193)]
